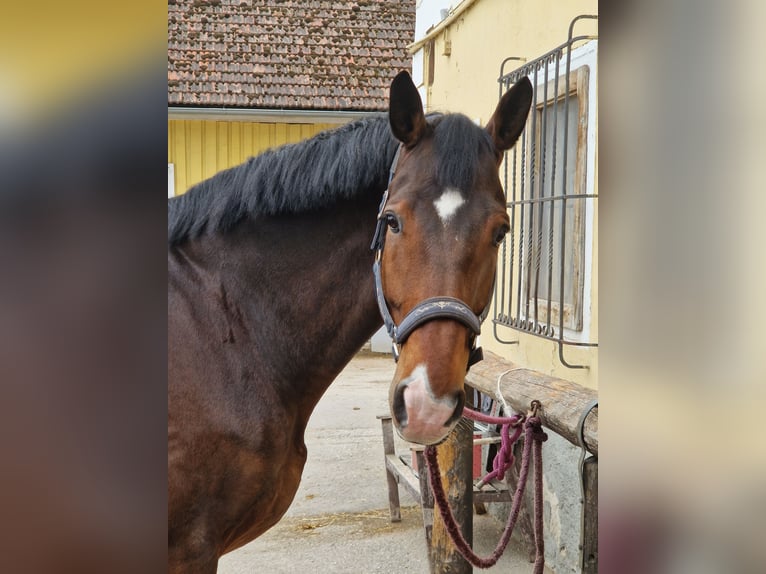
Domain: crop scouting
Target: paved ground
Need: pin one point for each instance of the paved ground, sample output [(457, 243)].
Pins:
[(339, 521)]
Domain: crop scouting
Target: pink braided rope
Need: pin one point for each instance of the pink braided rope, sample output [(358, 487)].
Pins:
[(532, 434)]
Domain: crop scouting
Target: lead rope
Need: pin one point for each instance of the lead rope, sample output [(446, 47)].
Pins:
[(533, 441)]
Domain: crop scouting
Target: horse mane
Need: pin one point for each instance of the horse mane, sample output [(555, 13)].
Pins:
[(332, 166)]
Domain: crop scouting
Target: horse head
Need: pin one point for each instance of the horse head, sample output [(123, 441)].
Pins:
[(441, 223)]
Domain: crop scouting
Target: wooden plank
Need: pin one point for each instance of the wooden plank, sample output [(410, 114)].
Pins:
[(280, 134), (494, 491), (210, 149), (235, 143), (294, 133), (426, 497), (484, 496), (562, 401), (404, 476), (222, 160), (194, 152), (248, 139), (393, 487), (590, 521)]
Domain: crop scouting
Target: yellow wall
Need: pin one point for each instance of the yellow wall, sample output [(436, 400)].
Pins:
[(200, 148), (465, 81)]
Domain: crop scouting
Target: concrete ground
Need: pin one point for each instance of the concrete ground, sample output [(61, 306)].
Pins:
[(339, 521)]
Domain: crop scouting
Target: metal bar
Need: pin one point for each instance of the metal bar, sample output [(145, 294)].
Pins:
[(556, 198), (527, 68), (521, 219), (513, 231), (499, 294), (553, 187), (515, 327), (501, 80), (541, 195), (530, 214)]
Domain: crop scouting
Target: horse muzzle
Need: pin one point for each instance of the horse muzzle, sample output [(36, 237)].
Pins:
[(420, 416)]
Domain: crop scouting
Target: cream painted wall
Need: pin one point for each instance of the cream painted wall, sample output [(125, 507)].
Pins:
[(486, 33), (466, 81)]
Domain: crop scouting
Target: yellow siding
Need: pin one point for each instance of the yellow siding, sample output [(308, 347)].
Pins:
[(200, 148)]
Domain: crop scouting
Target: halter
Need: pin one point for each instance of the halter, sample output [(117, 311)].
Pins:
[(426, 310)]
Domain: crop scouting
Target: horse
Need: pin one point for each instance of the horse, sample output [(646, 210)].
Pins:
[(271, 294)]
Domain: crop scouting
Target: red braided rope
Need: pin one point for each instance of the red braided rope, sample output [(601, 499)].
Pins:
[(532, 434), (504, 458)]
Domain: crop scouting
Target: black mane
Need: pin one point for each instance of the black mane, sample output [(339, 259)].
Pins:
[(330, 167)]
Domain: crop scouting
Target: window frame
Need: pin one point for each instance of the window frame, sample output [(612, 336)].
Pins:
[(576, 226)]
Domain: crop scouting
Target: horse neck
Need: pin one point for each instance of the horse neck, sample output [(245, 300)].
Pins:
[(304, 289)]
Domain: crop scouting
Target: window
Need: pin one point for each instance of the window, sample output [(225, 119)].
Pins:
[(545, 266), (554, 116)]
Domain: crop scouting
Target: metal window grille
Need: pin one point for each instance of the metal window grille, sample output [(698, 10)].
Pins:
[(541, 272)]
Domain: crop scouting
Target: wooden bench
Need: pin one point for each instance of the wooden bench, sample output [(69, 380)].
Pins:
[(400, 471)]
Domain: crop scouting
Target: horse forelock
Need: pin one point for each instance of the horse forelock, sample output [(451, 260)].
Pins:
[(332, 166), (458, 145)]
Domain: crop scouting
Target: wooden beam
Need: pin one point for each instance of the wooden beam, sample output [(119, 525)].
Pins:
[(562, 401)]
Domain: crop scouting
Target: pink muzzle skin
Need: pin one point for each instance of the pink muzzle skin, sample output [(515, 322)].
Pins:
[(422, 418)]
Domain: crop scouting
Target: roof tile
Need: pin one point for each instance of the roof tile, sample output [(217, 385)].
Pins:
[(292, 54)]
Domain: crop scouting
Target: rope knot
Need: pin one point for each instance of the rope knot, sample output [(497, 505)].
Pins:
[(538, 433)]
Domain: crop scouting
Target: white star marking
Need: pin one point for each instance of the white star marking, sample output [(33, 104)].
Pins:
[(449, 202)]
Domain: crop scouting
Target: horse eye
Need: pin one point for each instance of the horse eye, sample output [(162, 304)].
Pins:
[(500, 235), (393, 222)]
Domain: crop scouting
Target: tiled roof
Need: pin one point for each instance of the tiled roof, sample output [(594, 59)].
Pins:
[(293, 54)]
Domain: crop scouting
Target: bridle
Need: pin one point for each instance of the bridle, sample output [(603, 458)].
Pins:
[(428, 309)]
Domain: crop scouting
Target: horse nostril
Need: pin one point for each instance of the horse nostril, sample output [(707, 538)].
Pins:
[(458, 412), (398, 408)]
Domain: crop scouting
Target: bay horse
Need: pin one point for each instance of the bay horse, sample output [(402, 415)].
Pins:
[(270, 295)]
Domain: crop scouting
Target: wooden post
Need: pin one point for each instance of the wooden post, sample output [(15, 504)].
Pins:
[(590, 517), (456, 463)]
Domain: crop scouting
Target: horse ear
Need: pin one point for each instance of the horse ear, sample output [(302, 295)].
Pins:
[(405, 111), (506, 124)]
